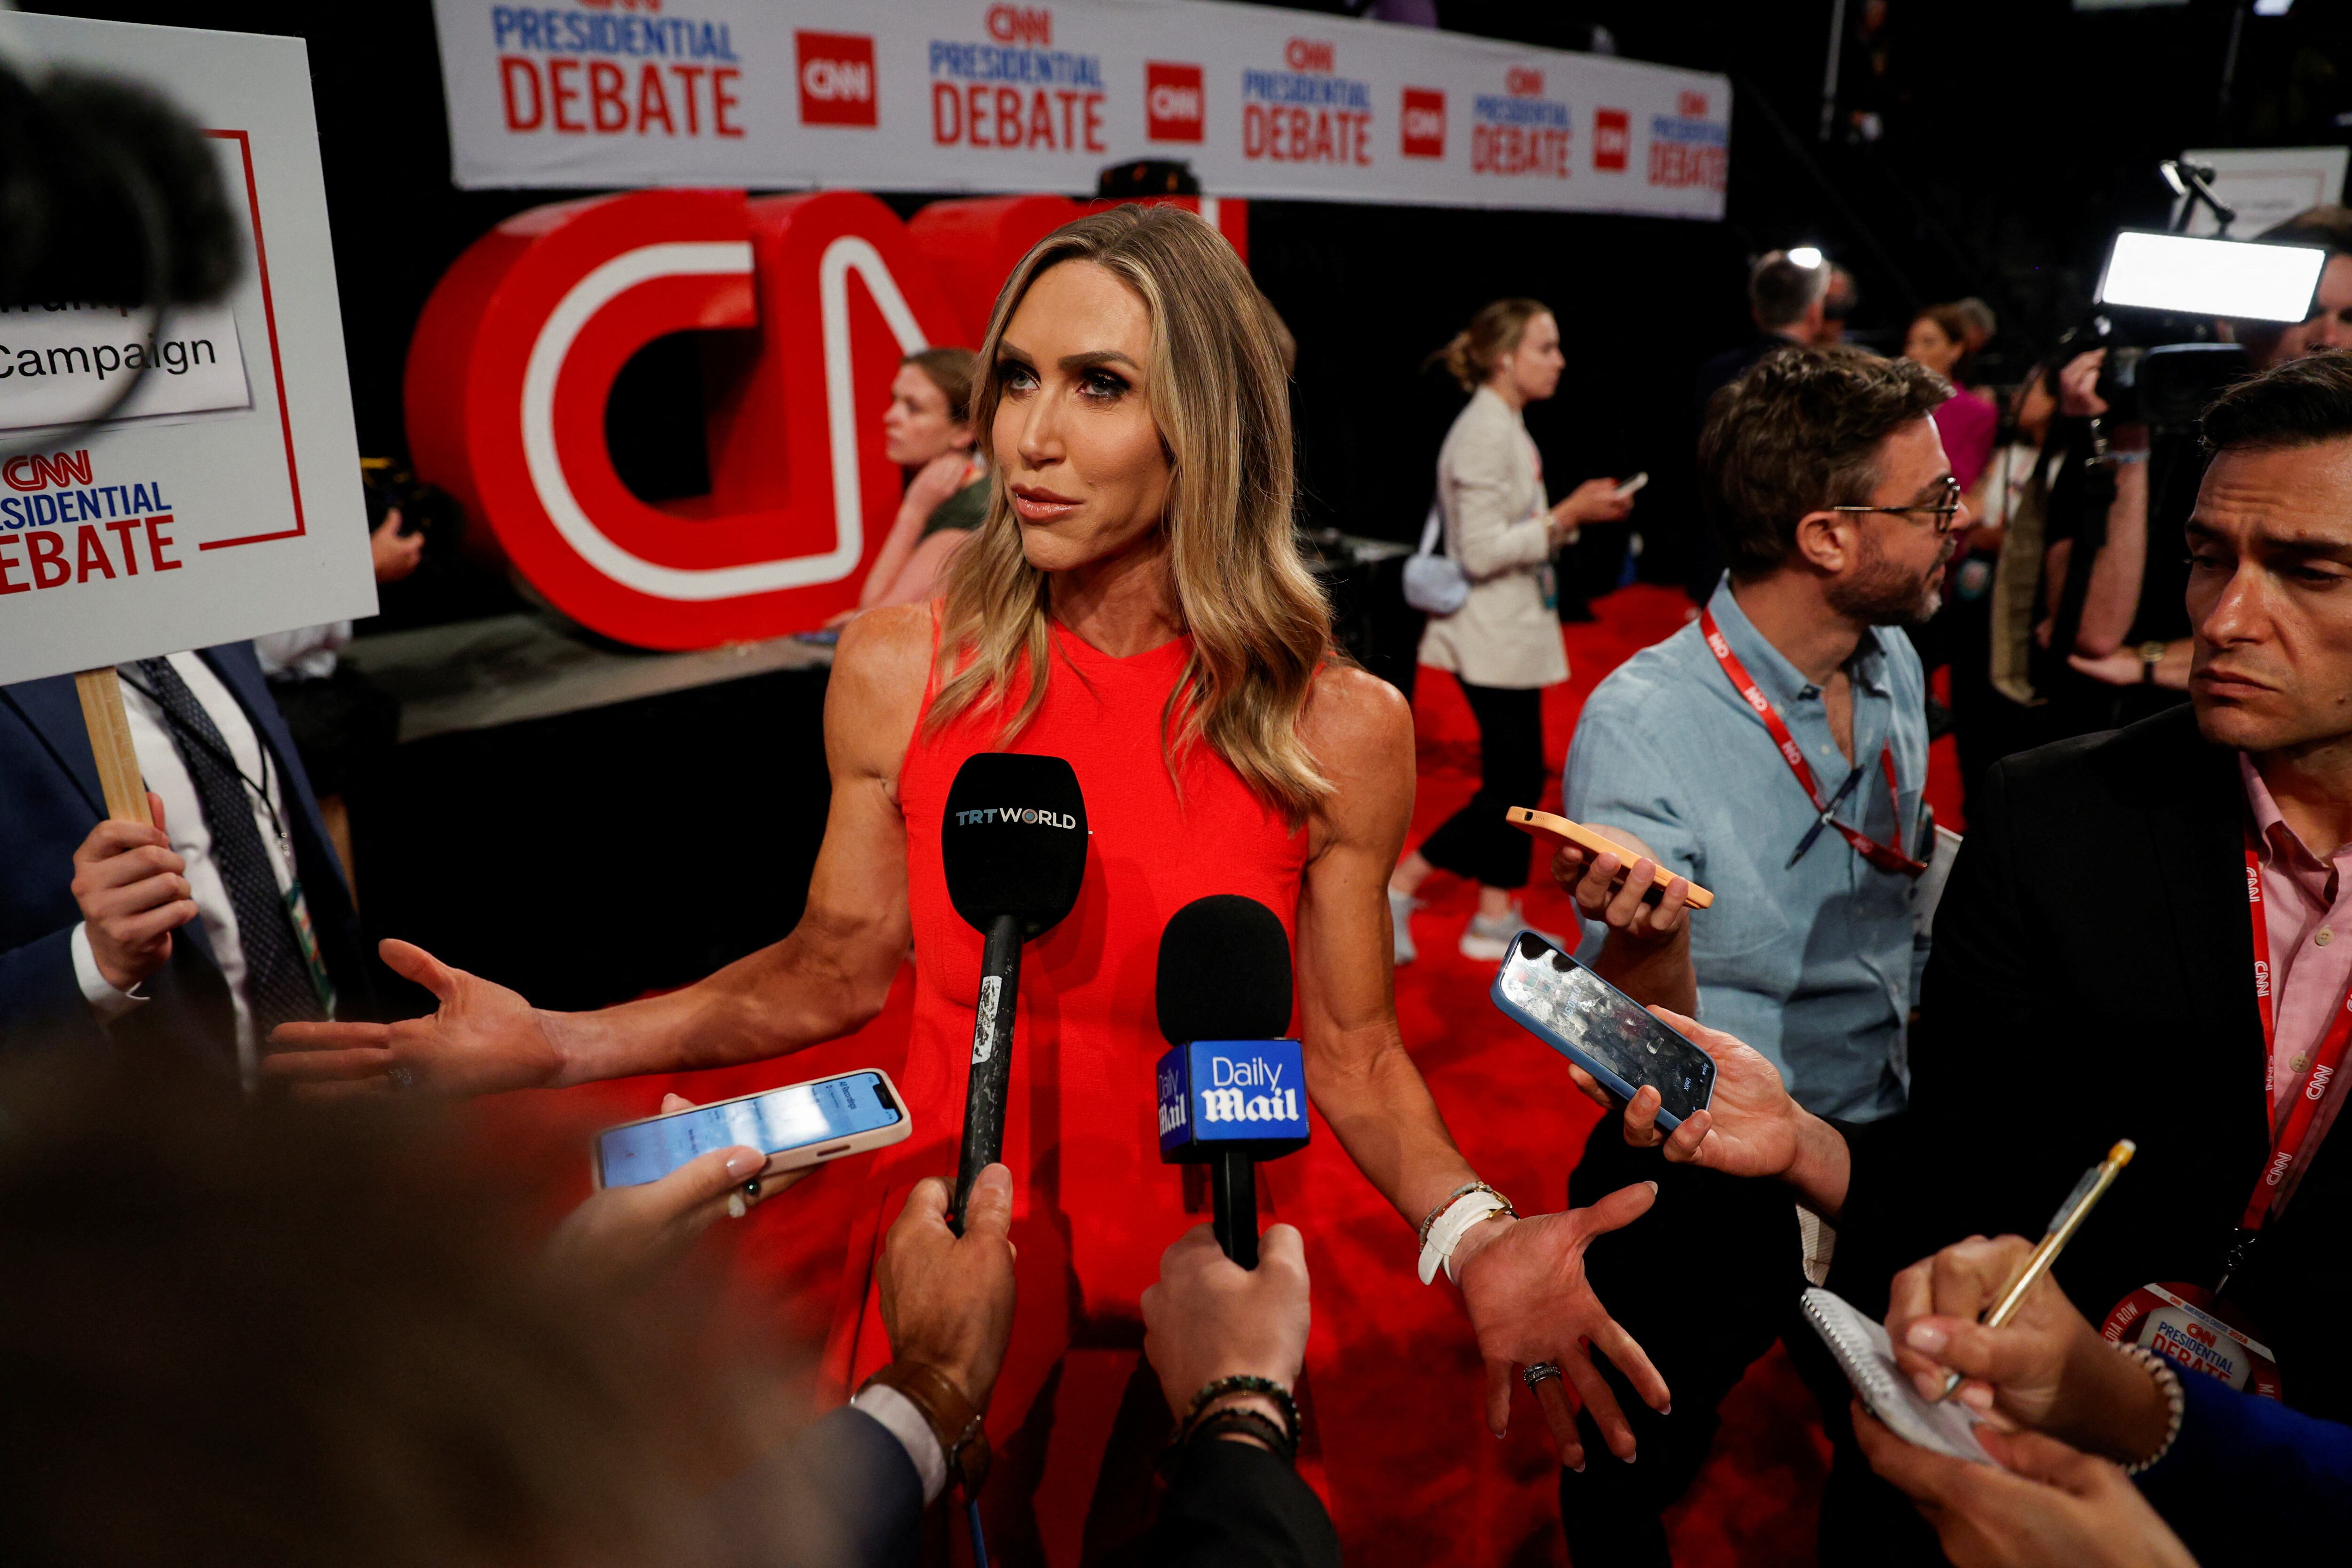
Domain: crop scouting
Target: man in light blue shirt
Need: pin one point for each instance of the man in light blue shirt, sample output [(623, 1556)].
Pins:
[(1793, 701), (1814, 964)]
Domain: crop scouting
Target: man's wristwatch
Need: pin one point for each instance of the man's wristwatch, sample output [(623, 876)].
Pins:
[(2150, 656), (955, 1420)]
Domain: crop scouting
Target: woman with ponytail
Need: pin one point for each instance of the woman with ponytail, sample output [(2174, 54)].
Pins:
[(1504, 642), (1135, 604)]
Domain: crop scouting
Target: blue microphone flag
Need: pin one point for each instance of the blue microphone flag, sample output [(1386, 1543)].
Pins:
[(1247, 1095)]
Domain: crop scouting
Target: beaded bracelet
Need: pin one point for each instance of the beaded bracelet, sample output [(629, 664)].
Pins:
[(1263, 1427), (1243, 1383), (2168, 1382)]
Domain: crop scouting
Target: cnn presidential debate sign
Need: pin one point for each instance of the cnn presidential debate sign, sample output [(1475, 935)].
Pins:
[(808, 302), (222, 500), (967, 95)]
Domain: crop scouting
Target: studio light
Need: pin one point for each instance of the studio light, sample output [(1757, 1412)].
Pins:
[(2211, 277)]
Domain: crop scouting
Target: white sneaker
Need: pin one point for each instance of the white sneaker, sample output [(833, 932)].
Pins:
[(1489, 940), (1401, 908)]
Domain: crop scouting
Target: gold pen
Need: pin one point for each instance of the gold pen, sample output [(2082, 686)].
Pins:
[(2063, 1226)]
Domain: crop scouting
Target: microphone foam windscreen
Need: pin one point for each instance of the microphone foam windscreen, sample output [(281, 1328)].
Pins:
[(1225, 972), (1014, 840)]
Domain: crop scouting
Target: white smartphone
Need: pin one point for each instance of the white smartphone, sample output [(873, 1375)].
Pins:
[(1630, 485), (800, 1124)]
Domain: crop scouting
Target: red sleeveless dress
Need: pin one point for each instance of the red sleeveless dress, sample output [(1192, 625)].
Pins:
[(1093, 1207)]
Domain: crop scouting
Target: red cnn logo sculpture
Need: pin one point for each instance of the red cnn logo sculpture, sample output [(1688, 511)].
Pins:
[(515, 356)]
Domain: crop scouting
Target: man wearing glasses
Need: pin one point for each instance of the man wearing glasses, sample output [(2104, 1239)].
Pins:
[(1774, 751)]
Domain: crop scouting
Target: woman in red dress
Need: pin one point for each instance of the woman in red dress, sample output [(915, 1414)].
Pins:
[(1134, 603)]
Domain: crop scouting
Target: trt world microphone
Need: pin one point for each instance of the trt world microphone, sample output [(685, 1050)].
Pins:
[(1232, 1093), (1013, 845)]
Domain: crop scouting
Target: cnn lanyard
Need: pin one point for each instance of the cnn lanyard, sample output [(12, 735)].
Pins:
[(1888, 857), (2291, 1138)]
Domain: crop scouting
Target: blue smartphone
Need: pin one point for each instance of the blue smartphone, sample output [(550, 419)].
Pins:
[(800, 1124), (1602, 1029)]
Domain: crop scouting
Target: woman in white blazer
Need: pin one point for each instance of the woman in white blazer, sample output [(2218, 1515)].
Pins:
[(1504, 643)]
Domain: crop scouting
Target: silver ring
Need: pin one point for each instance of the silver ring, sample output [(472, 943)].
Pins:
[(1538, 1373), (402, 1080)]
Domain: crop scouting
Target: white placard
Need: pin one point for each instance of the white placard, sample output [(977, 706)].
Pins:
[(228, 505), (965, 94), (2267, 185)]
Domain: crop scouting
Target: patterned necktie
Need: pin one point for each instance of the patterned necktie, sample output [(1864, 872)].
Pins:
[(278, 986)]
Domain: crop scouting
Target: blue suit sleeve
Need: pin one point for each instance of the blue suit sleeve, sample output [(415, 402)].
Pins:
[(39, 997), (2245, 1463)]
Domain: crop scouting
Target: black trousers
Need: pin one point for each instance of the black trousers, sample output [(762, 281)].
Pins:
[(1705, 1282), (1475, 842)]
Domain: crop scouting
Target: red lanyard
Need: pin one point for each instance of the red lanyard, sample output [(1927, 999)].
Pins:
[(2288, 1142), (1886, 857)]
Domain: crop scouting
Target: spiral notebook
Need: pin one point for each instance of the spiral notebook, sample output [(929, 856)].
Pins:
[(1866, 1356)]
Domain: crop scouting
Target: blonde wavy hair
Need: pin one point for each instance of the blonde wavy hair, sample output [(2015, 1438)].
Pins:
[(1260, 625)]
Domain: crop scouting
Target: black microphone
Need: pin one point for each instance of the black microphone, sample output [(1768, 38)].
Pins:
[(1232, 1091), (1013, 845)]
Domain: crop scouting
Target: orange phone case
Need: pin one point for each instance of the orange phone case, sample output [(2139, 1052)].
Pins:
[(1529, 820)]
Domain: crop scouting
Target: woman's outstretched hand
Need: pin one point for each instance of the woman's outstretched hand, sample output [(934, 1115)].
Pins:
[(1529, 1302), (483, 1038)]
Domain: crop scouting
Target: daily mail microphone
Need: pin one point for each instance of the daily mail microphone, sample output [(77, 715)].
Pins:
[(1232, 1093), (1013, 845)]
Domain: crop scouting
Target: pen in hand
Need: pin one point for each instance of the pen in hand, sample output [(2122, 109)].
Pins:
[(2063, 1226)]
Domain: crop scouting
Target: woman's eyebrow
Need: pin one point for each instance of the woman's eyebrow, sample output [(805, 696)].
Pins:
[(1094, 357)]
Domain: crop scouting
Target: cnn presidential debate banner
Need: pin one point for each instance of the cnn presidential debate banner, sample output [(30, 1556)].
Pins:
[(965, 94)]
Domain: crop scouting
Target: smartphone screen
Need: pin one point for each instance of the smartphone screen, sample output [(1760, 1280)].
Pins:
[(1593, 1023), (780, 1119)]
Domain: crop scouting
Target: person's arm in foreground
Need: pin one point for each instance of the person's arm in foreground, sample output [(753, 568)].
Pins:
[(622, 1239), (1232, 1500), (1522, 1281), (2051, 1507), (2236, 1456), (1752, 1127), (829, 976), (851, 1489)]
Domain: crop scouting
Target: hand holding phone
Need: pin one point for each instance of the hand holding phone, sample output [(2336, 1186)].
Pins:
[(624, 1238), (1602, 1029), (1630, 485), (1592, 845), (796, 1126)]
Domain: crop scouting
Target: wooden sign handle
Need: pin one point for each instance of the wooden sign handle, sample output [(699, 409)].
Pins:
[(1527, 819), (109, 741)]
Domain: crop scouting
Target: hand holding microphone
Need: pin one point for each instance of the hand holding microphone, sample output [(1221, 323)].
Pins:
[(1012, 844), (1232, 1093)]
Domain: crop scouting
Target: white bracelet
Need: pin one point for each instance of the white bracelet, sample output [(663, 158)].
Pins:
[(2168, 1382), (1446, 1228)]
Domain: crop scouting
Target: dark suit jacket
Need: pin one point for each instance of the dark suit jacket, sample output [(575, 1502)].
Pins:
[(53, 801), (2093, 980), (1233, 1505), (844, 1494)]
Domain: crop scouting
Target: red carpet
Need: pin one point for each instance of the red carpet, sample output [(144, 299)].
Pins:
[(1393, 1389)]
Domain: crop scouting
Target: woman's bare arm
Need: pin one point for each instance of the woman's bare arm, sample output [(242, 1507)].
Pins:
[(1522, 1279), (827, 978), (1358, 1069), (832, 973)]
